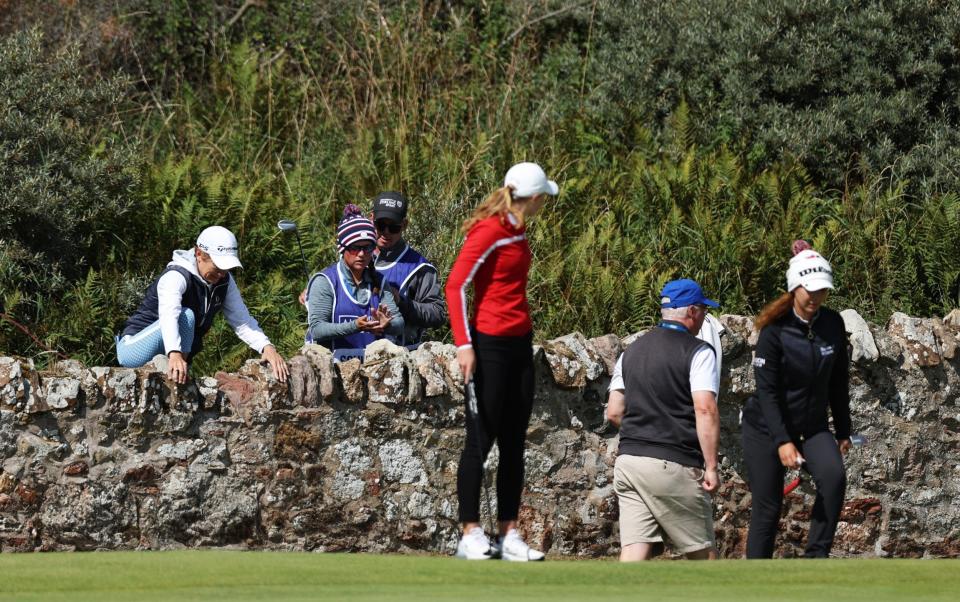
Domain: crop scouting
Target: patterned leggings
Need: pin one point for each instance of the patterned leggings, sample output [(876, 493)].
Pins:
[(135, 350)]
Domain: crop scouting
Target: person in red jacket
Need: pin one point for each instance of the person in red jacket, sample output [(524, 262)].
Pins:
[(495, 349)]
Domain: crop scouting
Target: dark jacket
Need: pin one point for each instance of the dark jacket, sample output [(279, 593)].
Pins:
[(801, 370)]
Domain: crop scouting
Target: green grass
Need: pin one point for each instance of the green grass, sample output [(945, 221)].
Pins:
[(239, 576)]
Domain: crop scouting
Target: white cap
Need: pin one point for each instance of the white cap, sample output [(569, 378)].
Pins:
[(810, 270), (221, 245), (528, 179)]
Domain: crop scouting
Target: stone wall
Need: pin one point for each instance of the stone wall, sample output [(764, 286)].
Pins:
[(363, 457)]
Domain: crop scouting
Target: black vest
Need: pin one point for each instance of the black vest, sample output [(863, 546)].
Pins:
[(660, 421), (205, 301)]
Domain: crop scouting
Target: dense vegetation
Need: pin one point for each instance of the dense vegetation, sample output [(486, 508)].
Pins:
[(689, 139)]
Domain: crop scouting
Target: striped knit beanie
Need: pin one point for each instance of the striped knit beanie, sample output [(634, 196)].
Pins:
[(354, 228)]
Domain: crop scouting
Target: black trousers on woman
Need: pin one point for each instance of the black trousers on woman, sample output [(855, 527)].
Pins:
[(765, 473), (504, 386)]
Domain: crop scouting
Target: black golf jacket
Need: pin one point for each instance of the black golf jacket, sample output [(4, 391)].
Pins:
[(801, 369)]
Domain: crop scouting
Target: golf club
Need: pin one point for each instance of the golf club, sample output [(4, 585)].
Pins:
[(474, 411), (286, 225)]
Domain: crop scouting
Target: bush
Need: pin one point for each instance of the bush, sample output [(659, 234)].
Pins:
[(436, 99), (67, 183), (848, 88)]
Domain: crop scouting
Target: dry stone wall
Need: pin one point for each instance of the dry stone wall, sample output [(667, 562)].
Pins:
[(351, 457)]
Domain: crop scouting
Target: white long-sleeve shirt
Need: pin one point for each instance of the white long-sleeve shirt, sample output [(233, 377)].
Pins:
[(170, 289)]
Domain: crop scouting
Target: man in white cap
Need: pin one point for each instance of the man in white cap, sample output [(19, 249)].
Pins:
[(179, 307)]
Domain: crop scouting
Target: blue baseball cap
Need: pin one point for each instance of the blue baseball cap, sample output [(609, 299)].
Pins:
[(681, 293)]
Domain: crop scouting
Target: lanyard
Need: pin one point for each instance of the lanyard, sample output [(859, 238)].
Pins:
[(673, 326)]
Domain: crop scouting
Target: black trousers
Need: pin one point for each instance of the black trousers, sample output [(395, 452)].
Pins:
[(504, 386), (765, 473)]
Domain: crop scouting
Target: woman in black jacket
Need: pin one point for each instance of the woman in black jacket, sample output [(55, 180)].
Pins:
[(801, 369)]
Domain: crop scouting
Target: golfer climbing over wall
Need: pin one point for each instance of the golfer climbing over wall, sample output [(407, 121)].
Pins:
[(495, 349), (180, 305), (802, 371)]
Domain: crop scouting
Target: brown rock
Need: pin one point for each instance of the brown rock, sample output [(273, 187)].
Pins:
[(858, 509), (27, 495), (948, 337), (303, 383), (294, 443), (241, 393), (326, 374), (741, 326), (917, 339), (573, 361), (437, 366), (76, 469), (609, 348), (141, 474), (352, 380), (391, 375)]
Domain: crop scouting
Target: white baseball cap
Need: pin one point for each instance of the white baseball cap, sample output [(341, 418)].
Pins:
[(528, 179), (221, 245), (810, 270)]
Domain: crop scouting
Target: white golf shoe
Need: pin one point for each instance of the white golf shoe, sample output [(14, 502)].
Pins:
[(474, 545), (513, 548)]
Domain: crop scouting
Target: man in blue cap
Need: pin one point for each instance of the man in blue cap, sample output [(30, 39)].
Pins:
[(666, 410)]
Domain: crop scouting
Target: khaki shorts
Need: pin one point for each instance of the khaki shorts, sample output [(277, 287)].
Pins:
[(659, 497)]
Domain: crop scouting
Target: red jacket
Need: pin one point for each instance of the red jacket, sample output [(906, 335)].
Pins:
[(496, 258)]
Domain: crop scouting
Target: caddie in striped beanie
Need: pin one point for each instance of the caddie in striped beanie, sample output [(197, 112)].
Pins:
[(347, 306)]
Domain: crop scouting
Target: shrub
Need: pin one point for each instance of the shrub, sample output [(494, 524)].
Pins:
[(848, 88), (67, 182)]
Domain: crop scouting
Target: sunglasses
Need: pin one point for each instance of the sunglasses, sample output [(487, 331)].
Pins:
[(366, 248), (383, 226)]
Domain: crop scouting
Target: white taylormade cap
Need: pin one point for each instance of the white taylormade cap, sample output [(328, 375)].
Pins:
[(810, 270), (528, 179), (221, 245)]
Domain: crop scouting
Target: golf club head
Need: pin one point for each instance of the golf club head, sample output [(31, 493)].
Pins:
[(287, 226)]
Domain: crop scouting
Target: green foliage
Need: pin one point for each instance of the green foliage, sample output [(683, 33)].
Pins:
[(63, 194), (684, 137), (848, 88)]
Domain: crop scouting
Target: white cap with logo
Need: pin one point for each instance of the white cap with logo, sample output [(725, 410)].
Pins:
[(221, 245), (810, 270), (529, 179)]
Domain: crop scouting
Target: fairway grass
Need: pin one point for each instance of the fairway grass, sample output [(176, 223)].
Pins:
[(241, 576)]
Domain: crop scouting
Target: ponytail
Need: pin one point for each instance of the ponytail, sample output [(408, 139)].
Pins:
[(774, 310)]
